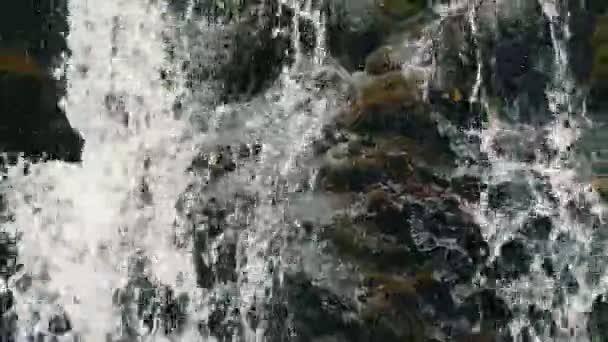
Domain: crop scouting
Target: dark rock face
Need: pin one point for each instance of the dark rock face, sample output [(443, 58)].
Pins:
[(514, 58), (257, 56), (598, 321), (32, 122)]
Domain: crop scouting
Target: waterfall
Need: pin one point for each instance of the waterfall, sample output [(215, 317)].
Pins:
[(551, 300), (93, 233)]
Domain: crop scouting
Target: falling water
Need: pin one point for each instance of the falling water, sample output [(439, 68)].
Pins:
[(84, 229), (557, 194)]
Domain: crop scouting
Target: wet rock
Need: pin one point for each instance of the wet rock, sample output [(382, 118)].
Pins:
[(225, 268), (382, 61), (449, 241), (204, 273), (387, 102), (514, 261), (487, 308), (455, 68), (538, 228), (435, 296), (399, 9), (312, 318), (222, 323), (569, 281), (509, 195), (468, 187), (33, 40), (172, 310), (257, 55), (60, 324), (580, 49), (479, 337), (32, 122), (600, 185), (598, 320), (354, 244), (216, 215), (387, 216), (391, 309), (356, 173), (352, 33)]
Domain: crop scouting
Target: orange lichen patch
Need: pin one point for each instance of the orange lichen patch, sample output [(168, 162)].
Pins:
[(20, 63)]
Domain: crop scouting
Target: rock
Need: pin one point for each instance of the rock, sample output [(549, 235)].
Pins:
[(600, 185), (514, 261), (538, 228), (32, 121), (225, 269), (391, 309), (388, 102), (468, 187), (60, 324), (352, 33), (580, 49), (597, 6), (316, 313), (204, 273), (222, 322), (382, 61), (401, 9), (352, 174), (33, 40), (487, 308), (479, 337), (509, 195), (455, 67), (448, 238), (355, 245), (598, 321), (250, 56)]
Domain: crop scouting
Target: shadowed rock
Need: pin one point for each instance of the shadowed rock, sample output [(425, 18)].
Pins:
[(32, 41)]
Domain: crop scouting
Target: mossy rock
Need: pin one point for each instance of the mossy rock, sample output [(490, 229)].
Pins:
[(435, 155), (352, 174), (401, 9), (357, 173), (382, 61), (378, 200), (600, 184), (479, 337), (391, 102), (356, 244), (599, 71), (392, 308)]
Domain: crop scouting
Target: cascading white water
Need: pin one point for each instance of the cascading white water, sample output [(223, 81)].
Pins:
[(81, 225), (569, 245)]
